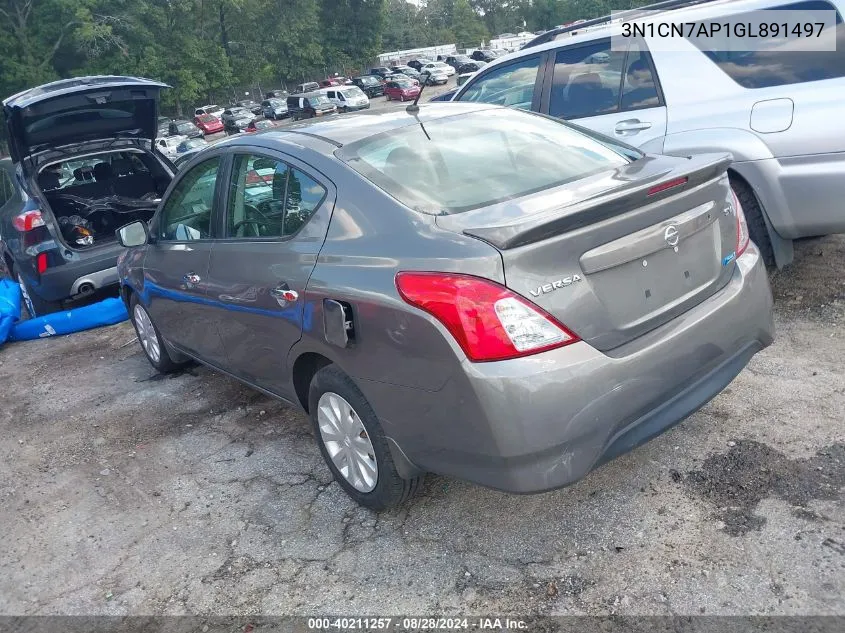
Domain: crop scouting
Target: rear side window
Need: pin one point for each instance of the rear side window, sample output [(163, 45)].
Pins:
[(587, 81), (510, 85), (785, 62), (187, 214), (459, 163)]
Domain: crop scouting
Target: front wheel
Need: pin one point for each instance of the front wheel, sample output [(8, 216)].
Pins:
[(353, 443), (150, 338)]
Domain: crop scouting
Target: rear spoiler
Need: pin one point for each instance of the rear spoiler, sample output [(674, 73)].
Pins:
[(629, 195)]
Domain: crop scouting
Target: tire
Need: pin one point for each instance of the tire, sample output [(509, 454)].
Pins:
[(383, 488), (161, 361), (754, 217), (35, 305)]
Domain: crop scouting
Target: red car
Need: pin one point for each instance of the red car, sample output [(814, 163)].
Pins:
[(209, 124), (401, 90), (332, 81)]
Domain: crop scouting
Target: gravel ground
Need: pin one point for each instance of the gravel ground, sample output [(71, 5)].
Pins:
[(122, 492)]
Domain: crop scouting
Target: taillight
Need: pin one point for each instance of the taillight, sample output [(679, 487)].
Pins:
[(669, 184), (41, 263), (488, 321), (28, 220), (742, 235)]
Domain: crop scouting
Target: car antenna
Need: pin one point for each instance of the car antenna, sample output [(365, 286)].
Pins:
[(414, 108)]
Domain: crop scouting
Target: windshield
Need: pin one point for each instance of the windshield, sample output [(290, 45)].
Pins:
[(186, 126), (352, 92), (276, 103), (369, 80), (463, 162), (194, 142)]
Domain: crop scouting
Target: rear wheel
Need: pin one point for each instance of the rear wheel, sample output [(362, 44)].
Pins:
[(150, 338), (35, 305), (757, 228), (353, 443)]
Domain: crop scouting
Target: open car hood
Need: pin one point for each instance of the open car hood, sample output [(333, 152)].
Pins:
[(81, 109)]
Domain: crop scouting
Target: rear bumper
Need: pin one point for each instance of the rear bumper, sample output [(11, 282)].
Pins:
[(97, 270), (543, 422)]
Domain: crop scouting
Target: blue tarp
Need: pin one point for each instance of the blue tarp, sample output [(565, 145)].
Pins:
[(106, 312)]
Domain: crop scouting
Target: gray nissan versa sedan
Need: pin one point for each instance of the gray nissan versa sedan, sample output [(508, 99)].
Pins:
[(470, 290)]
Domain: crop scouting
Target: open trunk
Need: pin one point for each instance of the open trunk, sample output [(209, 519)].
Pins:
[(615, 255), (92, 196)]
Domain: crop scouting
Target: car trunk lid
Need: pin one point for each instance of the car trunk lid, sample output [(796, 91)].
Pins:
[(619, 253), (82, 109)]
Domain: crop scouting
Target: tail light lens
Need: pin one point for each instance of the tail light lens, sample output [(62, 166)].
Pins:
[(488, 321), (665, 186), (28, 220), (742, 235), (41, 263)]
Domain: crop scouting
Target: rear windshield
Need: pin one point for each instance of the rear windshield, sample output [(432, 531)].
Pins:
[(368, 80), (466, 161)]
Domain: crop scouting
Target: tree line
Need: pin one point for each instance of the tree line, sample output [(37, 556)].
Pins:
[(206, 49)]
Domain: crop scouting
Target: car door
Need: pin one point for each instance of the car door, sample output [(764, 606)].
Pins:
[(176, 262), (610, 91), (277, 215)]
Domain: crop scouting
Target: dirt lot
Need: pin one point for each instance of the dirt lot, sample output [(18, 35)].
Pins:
[(125, 493)]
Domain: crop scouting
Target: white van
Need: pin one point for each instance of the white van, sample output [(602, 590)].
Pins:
[(347, 98)]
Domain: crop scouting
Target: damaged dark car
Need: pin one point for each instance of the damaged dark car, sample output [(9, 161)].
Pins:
[(82, 165)]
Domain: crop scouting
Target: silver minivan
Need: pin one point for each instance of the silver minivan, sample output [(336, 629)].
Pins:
[(778, 111)]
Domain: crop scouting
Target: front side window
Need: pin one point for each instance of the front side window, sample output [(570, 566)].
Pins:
[(459, 163), (511, 85), (187, 213), (586, 81), (785, 61), (269, 199)]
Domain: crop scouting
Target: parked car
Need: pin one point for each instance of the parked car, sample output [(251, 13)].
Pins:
[(236, 119), (439, 66), (462, 79), (401, 89), (433, 76), (471, 67), (771, 110), (275, 108), (259, 124), (276, 94), (332, 81), (370, 84), (191, 144), (347, 98), (513, 263), (183, 127), (401, 77), (487, 55), (309, 105), (167, 145), (57, 213), (163, 128), (250, 105), (381, 71), (308, 86), (407, 70), (211, 109), (418, 63), (456, 61), (208, 123)]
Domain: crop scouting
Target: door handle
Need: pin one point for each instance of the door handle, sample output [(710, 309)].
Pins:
[(282, 291), (631, 125), (191, 278)]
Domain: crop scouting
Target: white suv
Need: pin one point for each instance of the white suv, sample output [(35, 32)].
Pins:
[(779, 112)]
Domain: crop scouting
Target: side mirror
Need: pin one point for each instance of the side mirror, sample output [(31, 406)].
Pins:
[(133, 234)]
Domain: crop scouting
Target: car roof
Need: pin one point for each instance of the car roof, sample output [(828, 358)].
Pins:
[(340, 131)]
